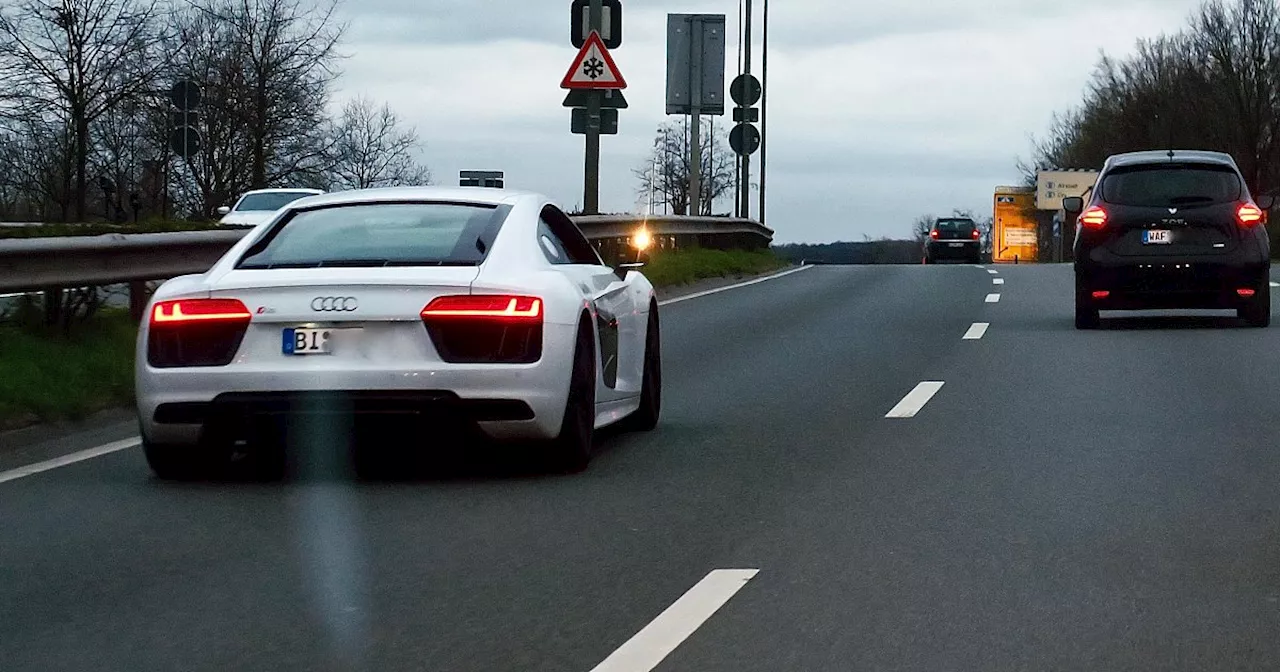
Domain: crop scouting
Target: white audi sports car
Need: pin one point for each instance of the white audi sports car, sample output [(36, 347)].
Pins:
[(446, 307), (256, 207)]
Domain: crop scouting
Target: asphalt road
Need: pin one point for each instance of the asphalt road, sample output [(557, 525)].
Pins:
[(1067, 500)]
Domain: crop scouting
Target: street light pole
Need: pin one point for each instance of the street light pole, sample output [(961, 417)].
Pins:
[(764, 103)]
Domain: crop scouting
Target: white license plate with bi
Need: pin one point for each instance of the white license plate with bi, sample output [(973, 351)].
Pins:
[(955, 244), (307, 341), (1157, 237)]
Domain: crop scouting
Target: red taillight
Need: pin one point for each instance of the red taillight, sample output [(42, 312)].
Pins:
[(977, 234), (1247, 293), (934, 234), (196, 332), (186, 311), (495, 307), (486, 329), (1101, 295), (1093, 218), (1249, 214)]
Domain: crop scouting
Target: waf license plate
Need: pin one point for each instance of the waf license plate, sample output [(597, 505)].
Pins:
[(302, 341), (1157, 237)]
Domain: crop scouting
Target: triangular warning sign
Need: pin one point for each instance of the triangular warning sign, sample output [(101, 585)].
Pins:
[(594, 68)]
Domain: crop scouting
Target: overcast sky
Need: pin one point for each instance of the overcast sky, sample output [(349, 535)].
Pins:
[(879, 110)]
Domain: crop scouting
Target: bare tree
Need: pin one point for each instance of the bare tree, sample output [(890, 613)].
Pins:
[(372, 149), (72, 61), (665, 178)]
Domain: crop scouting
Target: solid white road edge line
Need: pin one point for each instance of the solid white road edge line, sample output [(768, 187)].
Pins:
[(997, 281), (662, 635), (915, 400), (993, 298), (977, 331), (748, 283), (40, 467)]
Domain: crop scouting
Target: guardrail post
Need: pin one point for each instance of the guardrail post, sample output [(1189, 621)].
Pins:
[(137, 299)]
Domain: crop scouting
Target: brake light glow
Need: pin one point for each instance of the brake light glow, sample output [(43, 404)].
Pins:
[(1249, 214), (498, 307), (977, 234), (1101, 295), (186, 311), (934, 234), (1247, 293), (1094, 218)]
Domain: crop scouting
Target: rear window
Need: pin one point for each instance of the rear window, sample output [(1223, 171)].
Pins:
[(960, 227), (1175, 185), (380, 234), (269, 202)]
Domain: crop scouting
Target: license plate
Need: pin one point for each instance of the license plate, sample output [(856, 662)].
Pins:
[(955, 245), (1157, 237), (307, 341)]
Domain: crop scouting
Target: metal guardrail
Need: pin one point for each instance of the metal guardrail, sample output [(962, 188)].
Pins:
[(37, 264)]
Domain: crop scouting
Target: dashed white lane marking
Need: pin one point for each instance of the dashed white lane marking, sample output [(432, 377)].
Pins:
[(977, 331), (748, 283), (660, 637), (997, 281), (1275, 284), (915, 400), (993, 298), (41, 467), (993, 272)]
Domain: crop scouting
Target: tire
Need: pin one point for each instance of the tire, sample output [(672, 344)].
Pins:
[(176, 462), (1087, 316), (645, 419), (570, 451), (1258, 312)]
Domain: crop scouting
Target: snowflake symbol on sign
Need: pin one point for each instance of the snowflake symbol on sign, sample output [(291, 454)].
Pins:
[(593, 68)]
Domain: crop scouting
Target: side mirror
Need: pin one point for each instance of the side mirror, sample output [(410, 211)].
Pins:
[(224, 211), (623, 269), (1073, 204), (1267, 202)]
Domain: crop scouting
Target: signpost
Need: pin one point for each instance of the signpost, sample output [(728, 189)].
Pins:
[(490, 179), (594, 82), (695, 81), (186, 97)]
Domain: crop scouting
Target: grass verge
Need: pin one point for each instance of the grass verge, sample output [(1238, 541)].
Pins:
[(64, 230), (46, 377), (671, 269)]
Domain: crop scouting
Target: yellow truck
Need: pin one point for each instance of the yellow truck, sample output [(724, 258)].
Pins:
[(1015, 236)]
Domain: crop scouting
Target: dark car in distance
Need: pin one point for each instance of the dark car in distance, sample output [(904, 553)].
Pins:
[(1171, 230), (954, 239)]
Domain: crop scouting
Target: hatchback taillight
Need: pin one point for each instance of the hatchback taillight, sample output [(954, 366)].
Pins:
[(1249, 215), (486, 329), (196, 332), (977, 234), (934, 234), (1094, 218)]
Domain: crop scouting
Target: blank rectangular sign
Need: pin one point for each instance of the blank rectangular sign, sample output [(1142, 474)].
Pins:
[(696, 47)]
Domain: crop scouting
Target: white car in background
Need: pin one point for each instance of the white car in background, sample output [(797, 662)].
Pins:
[(451, 308), (256, 207)]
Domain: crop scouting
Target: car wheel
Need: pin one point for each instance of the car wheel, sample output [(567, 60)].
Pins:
[(178, 462), (645, 418), (1087, 316), (571, 450), (1258, 312)]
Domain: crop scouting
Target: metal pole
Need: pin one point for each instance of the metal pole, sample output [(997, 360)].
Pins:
[(764, 102), (737, 165), (746, 70), (591, 172), (695, 130)]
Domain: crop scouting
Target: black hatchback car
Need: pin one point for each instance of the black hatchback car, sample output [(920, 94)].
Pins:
[(1171, 230), (954, 239)]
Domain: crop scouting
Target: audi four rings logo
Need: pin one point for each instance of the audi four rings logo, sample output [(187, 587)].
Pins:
[(335, 304)]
